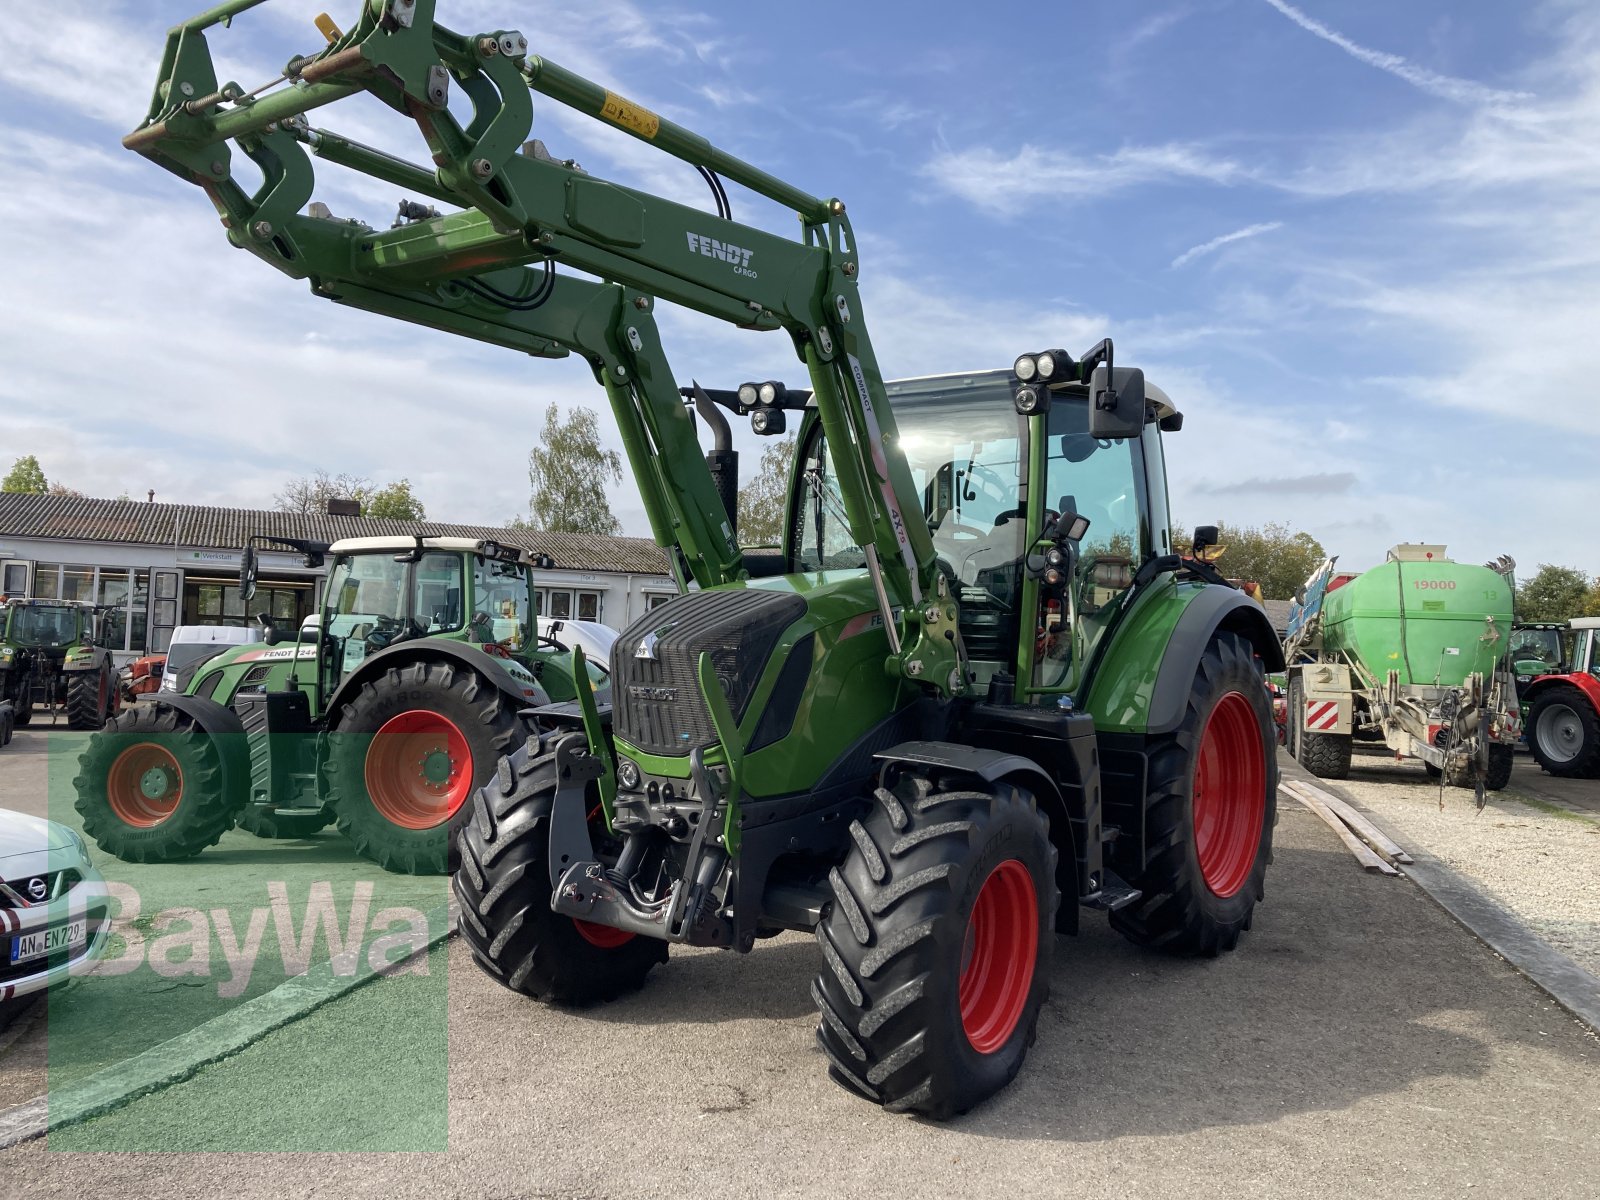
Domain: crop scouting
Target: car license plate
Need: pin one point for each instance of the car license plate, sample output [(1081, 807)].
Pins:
[(48, 941)]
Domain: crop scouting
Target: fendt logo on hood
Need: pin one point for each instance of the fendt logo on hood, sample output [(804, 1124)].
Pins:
[(735, 256)]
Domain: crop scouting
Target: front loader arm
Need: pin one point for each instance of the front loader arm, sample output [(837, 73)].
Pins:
[(472, 271)]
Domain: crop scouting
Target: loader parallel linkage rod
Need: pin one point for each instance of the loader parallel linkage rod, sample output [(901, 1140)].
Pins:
[(487, 271)]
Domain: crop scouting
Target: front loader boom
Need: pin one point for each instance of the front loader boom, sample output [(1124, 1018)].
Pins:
[(488, 270)]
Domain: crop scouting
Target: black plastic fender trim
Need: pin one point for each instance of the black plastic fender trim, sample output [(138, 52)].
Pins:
[(1215, 608)]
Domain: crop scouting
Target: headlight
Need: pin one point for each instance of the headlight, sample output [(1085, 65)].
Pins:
[(1025, 368), (628, 773)]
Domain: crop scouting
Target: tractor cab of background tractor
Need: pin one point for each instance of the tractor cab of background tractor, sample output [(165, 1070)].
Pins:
[(1537, 648)]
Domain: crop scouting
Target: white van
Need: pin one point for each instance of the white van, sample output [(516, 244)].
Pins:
[(193, 645)]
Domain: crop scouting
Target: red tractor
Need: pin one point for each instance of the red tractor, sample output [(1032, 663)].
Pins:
[(1562, 707)]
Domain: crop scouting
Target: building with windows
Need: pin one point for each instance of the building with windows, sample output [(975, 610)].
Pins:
[(153, 567)]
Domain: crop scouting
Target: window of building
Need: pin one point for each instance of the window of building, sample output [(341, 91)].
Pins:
[(571, 604), (122, 594), (657, 599)]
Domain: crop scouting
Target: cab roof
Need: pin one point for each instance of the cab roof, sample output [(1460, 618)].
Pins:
[(1154, 395), (453, 545)]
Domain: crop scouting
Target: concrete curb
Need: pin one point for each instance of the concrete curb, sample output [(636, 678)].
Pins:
[(181, 1057), (1567, 983)]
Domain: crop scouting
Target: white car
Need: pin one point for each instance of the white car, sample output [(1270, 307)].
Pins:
[(595, 638), (193, 646), (54, 910)]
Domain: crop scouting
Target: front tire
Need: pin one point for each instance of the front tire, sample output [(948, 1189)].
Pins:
[(938, 946), (150, 787), (1209, 814), (406, 753), (1564, 733), (503, 884), (1500, 761)]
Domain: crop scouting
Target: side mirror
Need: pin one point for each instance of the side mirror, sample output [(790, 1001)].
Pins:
[(1205, 547), (247, 574), (1116, 402)]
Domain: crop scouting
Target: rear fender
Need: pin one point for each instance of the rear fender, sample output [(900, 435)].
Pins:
[(1587, 684), (522, 694)]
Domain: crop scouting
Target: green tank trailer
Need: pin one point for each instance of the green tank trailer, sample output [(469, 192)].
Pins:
[(1409, 652)]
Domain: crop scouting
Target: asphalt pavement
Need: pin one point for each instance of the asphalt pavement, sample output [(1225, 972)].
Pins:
[(1359, 1043)]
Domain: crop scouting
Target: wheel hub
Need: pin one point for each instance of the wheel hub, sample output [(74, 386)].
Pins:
[(437, 768), (156, 783), (1560, 733)]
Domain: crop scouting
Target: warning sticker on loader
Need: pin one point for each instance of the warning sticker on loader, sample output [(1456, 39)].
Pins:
[(630, 115)]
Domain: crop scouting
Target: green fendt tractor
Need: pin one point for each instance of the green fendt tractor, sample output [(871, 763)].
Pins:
[(51, 657), (976, 683), (381, 713)]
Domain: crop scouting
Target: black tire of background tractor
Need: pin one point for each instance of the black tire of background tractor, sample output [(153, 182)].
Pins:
[(503, 884), (478, 709), (157, 734), (1585, 763), (1326, 755), (1296, 713), (254, 818), (895, 937), (1178, 912), (1499, 774), (88, 698), (22, 713)]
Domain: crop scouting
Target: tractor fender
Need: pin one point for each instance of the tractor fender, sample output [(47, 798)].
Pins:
[(439, 650), (1585, 683), (222, 725), (992, 766), (1212, 610)]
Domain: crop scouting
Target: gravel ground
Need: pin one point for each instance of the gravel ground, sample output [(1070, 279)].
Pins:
[(1540, 862)]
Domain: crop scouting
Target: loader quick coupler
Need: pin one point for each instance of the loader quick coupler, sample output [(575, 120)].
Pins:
[(682, 910)]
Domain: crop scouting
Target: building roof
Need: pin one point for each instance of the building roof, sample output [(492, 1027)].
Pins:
[(1278, 614), (197, 526)]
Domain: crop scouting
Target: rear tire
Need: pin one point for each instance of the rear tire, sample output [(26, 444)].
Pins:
[(503, 884), (403, 797), (1500, 761), (1326, 755), (150, 787), (1206, 862), (1564, 733), (938, 946), (89, 695)]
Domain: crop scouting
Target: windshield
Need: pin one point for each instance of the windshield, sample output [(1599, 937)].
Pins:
[(43, 625), (1536, 646), (964, 444), (501, 611)]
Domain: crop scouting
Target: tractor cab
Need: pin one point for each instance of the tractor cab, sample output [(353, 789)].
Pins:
[(1536, 649), (973, 455)]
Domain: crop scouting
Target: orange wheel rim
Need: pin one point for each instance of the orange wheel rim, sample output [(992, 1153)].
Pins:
[(1230, 787), (144, 785), (418, 770)]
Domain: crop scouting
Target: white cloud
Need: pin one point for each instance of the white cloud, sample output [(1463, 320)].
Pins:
[(1445, 87), (1216, 243)]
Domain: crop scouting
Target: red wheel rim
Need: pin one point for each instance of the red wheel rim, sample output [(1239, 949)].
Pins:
[(604, 936), (418, 770), (1230, 790), (144, 785), (997, 962)]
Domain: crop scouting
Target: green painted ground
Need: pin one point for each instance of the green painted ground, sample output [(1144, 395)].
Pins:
[(196, 938)]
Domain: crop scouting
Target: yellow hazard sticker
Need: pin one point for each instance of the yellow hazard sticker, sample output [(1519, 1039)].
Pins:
[(630, 115)]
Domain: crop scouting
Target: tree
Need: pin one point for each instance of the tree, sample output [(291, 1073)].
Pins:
[(61, 489), (311, 493), (1553, 594), (761, 501), (26, 475), (1591, 602), (395, 503), (1280, 559), (569, 471)]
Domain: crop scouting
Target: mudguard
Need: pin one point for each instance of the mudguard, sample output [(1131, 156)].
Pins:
[(987, 765), (1212, 610), (439, 650)]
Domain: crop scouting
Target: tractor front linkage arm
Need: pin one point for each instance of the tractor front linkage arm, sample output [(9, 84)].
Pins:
[(487, 270)]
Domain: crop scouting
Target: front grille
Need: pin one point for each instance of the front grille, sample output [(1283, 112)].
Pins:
[(14, 893), (656, 701)]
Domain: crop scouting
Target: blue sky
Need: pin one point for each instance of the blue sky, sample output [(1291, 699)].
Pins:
[(1355, 241)]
